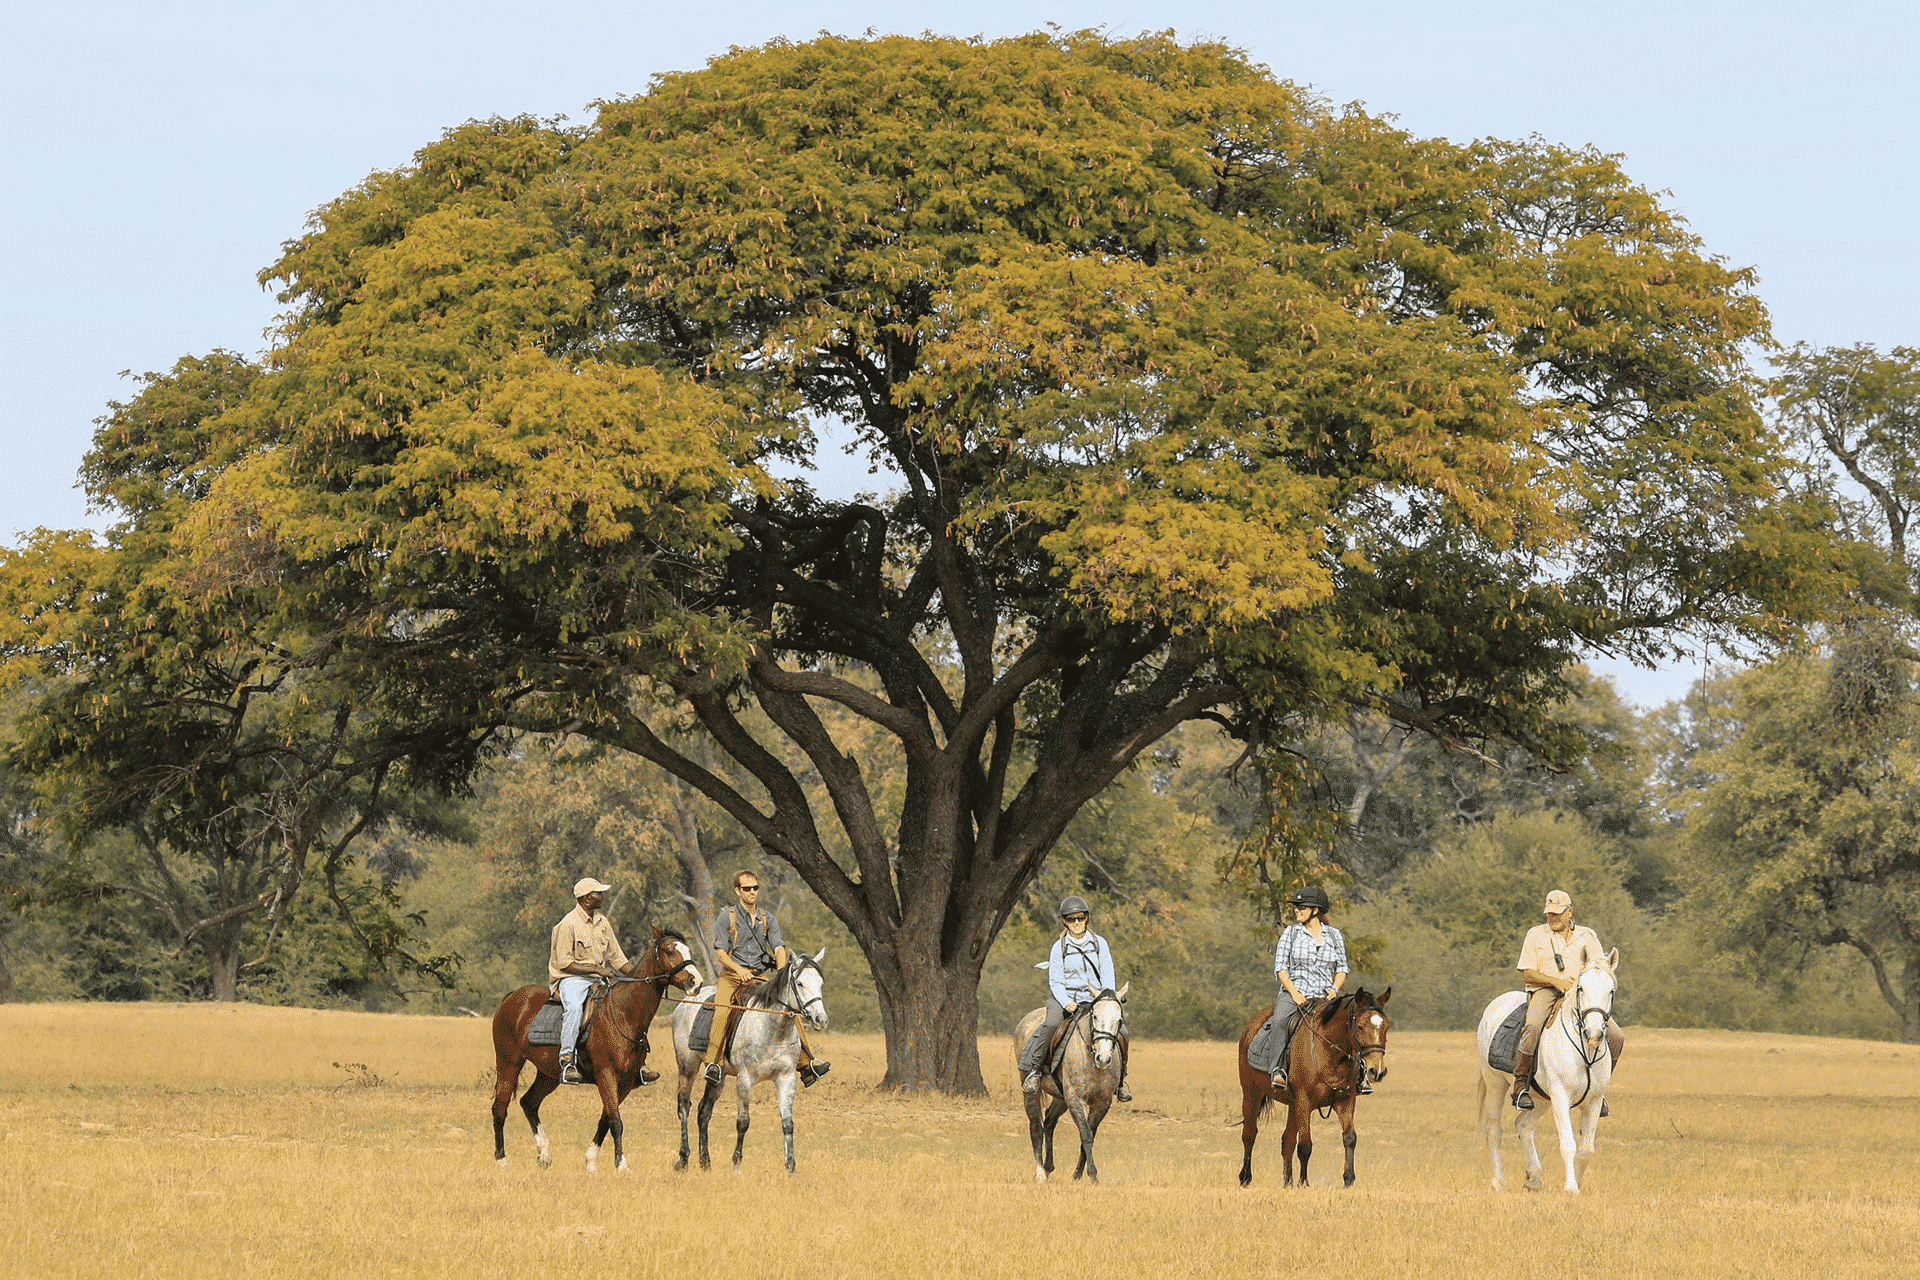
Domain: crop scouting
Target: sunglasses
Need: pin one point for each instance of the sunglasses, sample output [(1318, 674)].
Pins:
[(1079, 919), (749, 888)]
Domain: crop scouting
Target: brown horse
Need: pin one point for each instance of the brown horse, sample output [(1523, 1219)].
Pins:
[(1331, 1056), (616, 1047)]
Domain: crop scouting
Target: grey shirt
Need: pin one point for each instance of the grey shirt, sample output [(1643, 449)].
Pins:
[(750, 939)]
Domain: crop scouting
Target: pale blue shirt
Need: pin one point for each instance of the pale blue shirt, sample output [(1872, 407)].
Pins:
[(1079, 969)]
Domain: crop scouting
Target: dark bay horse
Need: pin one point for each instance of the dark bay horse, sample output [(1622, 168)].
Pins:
[(1091, 1065), (1334, 1049), (616, 1046)]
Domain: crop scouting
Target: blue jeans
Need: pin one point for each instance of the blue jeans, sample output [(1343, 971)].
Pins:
[(572, 991)]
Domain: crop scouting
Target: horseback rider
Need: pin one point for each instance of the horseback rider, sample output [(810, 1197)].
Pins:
[(748, 945), (1310, 962), (1550, 960), (1079, 967), (582, 947)]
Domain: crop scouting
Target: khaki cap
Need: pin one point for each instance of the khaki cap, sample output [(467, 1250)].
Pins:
[(587, 884), (1557, 901)]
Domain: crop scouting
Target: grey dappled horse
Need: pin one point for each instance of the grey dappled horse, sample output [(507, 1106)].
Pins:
[(1090, 1070), (765, 1047), (1571, 1066)]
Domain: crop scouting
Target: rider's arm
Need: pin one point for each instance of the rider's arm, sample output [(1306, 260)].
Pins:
[(1293, 992), (1535, 978), (1057, 976), (733, 968)]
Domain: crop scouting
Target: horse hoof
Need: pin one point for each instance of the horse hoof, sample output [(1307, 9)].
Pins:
[(501, 1161), (680, 1165), (1039, 1175), (621, 1167), (1246, 1179)]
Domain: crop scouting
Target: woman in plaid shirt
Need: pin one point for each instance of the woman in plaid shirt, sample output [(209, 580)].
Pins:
[(1311, 964)]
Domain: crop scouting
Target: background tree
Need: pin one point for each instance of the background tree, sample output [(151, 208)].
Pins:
[(1200, 400)]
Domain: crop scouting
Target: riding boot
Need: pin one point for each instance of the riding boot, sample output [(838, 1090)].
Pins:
[(1522, 1073), (569, 1073), (648, 1077), (813, 1071)]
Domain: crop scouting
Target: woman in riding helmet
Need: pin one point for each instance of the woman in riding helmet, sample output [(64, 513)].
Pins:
[(1311, 964), (1079, 967)]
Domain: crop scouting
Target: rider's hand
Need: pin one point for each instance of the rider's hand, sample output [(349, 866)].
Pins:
[(1072, 1006), (1298, 999)]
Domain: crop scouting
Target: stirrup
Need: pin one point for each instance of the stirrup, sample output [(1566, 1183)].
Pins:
[(813, 1071), (1031, 1084), (1363, 1088), (1603, 1107), (648, 1077), (1279, 1078), (715, 1073), (1523, 1100), (569, 1071), (1123, 1094)]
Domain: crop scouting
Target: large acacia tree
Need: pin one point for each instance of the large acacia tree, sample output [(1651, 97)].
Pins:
[(1189, 396)]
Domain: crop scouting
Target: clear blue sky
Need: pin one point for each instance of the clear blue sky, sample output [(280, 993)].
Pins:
[(156, 154)]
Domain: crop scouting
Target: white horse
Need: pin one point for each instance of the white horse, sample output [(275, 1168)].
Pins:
[(1091, 1066), (1571, 1067), (766, 1046)]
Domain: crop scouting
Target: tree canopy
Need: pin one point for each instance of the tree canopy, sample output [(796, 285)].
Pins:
[(1191, 397)]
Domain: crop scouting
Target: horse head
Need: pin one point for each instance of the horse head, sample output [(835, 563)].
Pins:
[(673, 961), (1368, 1018), (1593, 989), (809, 986), (1103, 1021)]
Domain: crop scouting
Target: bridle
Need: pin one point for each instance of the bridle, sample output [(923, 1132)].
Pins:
[(1094, 1034), (797, 966), (1357, 1049), (1581, 1012), (665, 979)]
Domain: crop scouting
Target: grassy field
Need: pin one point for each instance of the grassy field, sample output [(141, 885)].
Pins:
[(167, 1140)]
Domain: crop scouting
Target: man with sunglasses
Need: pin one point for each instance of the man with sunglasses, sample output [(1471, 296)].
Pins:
[(1079, 967), (1550, 959), (748, 945)]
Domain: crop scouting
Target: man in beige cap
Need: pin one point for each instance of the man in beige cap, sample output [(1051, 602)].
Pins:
[(1550, 959), (583, 948)]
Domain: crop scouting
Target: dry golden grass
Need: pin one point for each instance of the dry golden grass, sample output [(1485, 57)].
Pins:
[(156, 1140)]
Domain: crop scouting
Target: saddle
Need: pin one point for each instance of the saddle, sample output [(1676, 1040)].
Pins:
[(545, 1027), (1505, 1044), (700, 1034)]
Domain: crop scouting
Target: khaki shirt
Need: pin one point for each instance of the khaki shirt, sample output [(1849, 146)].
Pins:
[(1542, 944), (582, 939)]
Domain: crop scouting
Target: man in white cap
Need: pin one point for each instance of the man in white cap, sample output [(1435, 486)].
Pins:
[(1550, 959), (583, 948)]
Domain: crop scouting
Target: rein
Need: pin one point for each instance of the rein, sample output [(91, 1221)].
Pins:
[(1355, 1053)]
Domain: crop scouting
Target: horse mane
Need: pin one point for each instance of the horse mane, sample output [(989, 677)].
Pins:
[(675, 934)]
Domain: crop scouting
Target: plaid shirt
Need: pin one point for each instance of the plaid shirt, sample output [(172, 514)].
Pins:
[(1311, 968)]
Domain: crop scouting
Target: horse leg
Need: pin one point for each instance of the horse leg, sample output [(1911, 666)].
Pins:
[(612, 1094), (1082, 1122), (1493, 1100), (1304, 1141), (1036, 1133), (543, 1084), (1055, 1109), (1253, 1100), (741, 1120), (1527, 1124), (1563, 1122), (707, 1099), (1349, 1137), (1089, 1130), (506, 1078), (683, 1103), (783, 1091)]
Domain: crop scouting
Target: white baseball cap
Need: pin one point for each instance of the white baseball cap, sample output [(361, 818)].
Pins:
[(1557, 901), (587, 884)]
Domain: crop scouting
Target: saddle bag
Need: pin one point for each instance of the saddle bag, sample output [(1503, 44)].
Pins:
[(700, 1035), (1506, 1039)]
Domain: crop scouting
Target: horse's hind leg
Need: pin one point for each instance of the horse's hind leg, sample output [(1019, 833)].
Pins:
[(1036, 1133), (683, 1103), (1252, 1103), (705, 1115), (1493, 1101), (543, 1084), (506, 1078), (1528, 1122), (1055, 1110)]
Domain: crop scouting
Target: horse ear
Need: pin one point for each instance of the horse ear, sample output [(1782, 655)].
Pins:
[(820, 955), (656, 933), (1613, 960), (1121, 994), (1384, 996)]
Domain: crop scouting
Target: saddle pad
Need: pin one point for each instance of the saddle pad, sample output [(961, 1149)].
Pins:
[(701, 1033), (1506, 1039), (546, 1024), (1263, 1047)]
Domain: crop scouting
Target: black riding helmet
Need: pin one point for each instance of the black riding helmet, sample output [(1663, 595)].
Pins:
[(1073, 904), (1311, 896)]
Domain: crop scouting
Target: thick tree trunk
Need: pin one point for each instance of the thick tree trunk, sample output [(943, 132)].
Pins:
[(684, 825), (9, 994), (931, 1016), (223, 963)]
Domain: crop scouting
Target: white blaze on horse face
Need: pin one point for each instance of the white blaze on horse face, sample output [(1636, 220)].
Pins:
[(1378, 1020), (690, 976)]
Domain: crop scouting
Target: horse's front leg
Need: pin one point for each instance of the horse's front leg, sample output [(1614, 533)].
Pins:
[(612, 1094), (783, 1090), (1493, 1101), (1083, 1121), (1303, 1143), (1349, 1137), (744, 1088), (1055, 1109), (1563, 1123), (707, 1099)]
